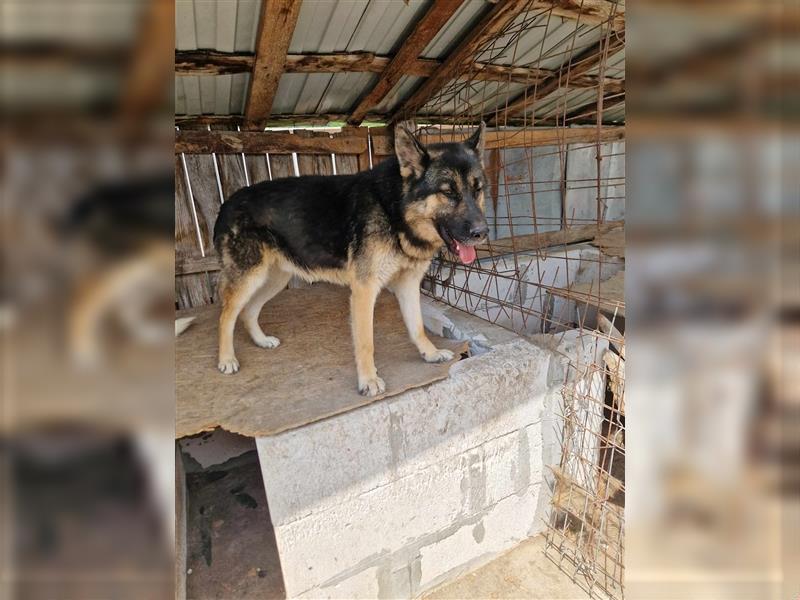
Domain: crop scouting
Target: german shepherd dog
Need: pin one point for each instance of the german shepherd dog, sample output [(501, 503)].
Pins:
[(375, 229)]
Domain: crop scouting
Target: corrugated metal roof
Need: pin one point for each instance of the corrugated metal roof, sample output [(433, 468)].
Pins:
[(211, 94), (224, 25), (535, 39), (326, 26)]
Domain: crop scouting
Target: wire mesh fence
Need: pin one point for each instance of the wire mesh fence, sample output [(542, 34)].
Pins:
[(556, 256)]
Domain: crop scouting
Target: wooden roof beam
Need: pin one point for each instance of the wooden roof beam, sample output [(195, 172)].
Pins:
[(500, 15), (424, 31), (256, 142), (278, 20), (209, 62), (212, 62)]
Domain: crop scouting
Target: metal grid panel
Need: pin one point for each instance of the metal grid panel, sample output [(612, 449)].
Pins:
[(586, 530), (535, 277)]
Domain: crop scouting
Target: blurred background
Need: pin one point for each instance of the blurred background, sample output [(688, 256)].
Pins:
[(87, 405), (713, 300)]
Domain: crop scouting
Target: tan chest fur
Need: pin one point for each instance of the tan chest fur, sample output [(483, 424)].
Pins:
[(379, 262)]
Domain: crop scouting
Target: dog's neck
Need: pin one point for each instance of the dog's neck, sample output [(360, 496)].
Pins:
[(393, 205), (416, 248)]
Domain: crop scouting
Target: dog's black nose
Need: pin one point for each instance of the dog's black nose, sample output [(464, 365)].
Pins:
[(479, 232)]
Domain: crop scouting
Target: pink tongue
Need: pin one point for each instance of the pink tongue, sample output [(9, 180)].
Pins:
[(467, 254)]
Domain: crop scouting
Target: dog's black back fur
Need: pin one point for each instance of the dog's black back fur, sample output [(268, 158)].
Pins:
[(321, 221), (315, 220)]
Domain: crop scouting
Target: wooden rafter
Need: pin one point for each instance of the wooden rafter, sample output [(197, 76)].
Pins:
[(353, 140), (256, 142), (492, 23), (556, 136), (574, 69), (363, 62), (278, 20), (210, 62), (424, 31)]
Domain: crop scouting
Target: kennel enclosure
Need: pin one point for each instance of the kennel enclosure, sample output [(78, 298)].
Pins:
[(280, 89)]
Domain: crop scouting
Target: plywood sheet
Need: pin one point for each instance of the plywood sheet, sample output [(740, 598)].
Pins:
[(309, 377)]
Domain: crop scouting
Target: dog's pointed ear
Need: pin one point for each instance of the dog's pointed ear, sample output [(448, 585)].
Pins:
[(410, 152), (477, 141)]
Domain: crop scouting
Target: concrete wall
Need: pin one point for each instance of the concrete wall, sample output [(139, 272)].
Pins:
[(394, 498)]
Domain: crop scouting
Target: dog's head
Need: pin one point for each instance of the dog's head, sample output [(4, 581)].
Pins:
[(444, 183)]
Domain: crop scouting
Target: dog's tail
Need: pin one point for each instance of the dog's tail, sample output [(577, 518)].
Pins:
[(182, 324)]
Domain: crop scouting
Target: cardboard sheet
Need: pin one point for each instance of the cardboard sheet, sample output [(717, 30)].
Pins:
[(310, 376)]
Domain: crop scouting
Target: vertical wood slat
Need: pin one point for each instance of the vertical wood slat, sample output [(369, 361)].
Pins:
[(200, 168), (231, 173), (257, 167), (190, 290), (231, 169), (346, 164), (310, 164), (282, 165)]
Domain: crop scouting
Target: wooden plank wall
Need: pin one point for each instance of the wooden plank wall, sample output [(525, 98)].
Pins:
[(196, 267)]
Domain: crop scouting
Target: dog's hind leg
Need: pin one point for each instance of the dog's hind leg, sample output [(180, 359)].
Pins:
[(276, 281), (235, 293)]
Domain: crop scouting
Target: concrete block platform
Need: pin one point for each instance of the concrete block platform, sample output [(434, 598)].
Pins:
[(395, 498)]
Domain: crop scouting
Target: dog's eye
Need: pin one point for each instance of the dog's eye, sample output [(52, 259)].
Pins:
[(478, 186), (448, 191)]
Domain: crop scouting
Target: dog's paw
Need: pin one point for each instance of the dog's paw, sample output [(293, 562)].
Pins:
[(266, 341), (438, 356), (372, 387), (228, 365)]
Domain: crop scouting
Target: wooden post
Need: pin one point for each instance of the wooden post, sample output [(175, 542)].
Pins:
[(278, 19)]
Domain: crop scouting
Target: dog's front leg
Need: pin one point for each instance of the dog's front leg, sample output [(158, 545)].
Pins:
[(406, 289), (362, 310)]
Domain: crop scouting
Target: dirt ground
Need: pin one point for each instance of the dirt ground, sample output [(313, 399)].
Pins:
[(525, 572), (231, 551)]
